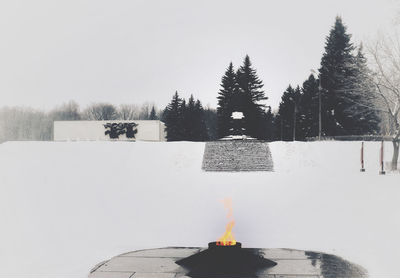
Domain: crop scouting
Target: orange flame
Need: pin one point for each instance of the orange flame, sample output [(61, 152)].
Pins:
[(228, 237)]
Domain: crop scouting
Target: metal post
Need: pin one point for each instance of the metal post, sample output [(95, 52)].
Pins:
[(294, 121), (362, 157), (319, 110), (319, 105), (382, 171)]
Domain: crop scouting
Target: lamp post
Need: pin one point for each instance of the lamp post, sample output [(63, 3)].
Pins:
[(319, 110), (319, 106), (294, 120), (295, 100)]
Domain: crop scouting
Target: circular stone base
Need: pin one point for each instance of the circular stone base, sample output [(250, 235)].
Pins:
[(161, 263)]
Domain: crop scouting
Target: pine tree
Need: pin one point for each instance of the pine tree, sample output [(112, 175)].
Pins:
[(189, 119), (309, 109), (360, 95), (249, 83), (183, 120), (345, 86), (225, 95), (371, 118), (200, 129), (153, 115), (247, 99), (210, 117), (173, 119), (267, 125), (336, 68), (288, 114)]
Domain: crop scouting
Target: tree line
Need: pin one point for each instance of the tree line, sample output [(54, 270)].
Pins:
[(350, 96), (186, 121), (341, 100), (241, 90), (25, 123), (343, 97)]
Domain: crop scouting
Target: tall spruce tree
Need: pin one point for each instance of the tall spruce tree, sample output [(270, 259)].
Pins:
[(172, 118), (185, 121), (336, 69), (189, 119), (153, 115), (247, 99), (309, 109), (199, 124), (344, 81), (267, 127), (360, 93), (210, 117), (225, 101), (249, 84), (287, 116)]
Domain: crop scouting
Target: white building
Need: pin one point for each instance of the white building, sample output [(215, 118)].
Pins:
[(96, 130)]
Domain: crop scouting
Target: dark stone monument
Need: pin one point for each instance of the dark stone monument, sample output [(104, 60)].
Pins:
[(114, 130), (225, 261)]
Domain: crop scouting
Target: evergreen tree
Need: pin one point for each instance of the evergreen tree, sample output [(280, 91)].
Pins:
[(199, 125), (225, 95), (288, 114), (346, 111), (242, 91), (153, 115), (249, 83), (172, 118), (360, 94), (267, 126), (183, 120), (210, 117), (309, 109), (189, 119), (336, 68), (247, 99)]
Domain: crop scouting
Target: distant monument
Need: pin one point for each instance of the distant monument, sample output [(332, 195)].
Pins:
[(114, 130)]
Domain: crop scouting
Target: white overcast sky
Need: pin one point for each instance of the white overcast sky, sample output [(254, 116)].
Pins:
[(131, 51)]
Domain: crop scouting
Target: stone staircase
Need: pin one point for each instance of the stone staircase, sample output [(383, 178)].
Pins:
[(237, 155)]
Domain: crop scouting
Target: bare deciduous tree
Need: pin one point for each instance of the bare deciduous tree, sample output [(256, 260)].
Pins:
[(100, 112), (145, 110), (135, 112), (385, 61), (21, 123), (66, 112), (128, 112)]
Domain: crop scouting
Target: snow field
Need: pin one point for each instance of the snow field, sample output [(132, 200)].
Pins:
[(66, 206)]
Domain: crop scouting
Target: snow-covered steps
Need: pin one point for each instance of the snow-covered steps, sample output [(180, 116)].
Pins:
[(237, 155)]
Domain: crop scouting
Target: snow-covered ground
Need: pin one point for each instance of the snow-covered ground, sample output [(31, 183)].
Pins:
[(66, 206)]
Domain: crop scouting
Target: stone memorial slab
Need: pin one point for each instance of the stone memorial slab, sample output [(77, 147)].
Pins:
[(162, 263)]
